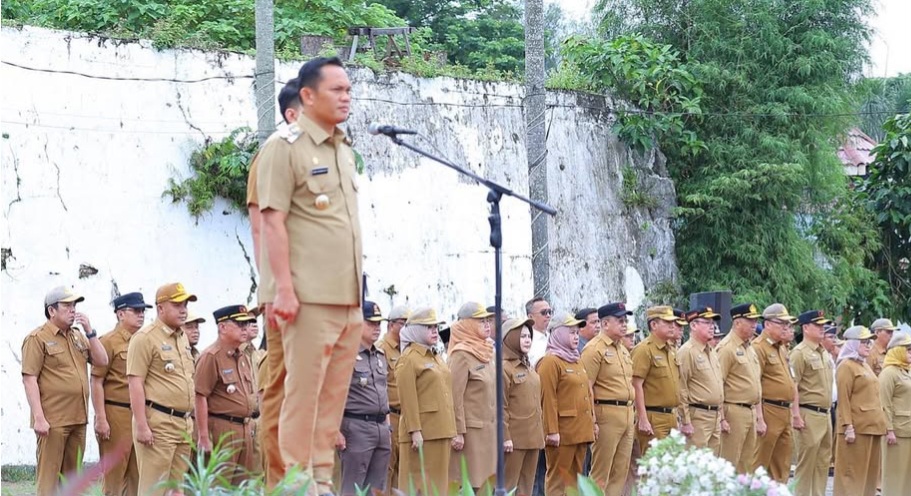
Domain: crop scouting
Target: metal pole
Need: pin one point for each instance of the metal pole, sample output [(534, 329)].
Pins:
[(496, 241)]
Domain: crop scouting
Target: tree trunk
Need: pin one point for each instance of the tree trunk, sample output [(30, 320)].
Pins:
[(264, 81), (536, 147)]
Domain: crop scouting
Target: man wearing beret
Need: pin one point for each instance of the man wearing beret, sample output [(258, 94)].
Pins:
[(160, 373), (655, 377), (701, 385), (111, 398), (55, 358), (225, 393)]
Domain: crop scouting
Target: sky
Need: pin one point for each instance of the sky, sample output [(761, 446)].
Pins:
[(890, 48)]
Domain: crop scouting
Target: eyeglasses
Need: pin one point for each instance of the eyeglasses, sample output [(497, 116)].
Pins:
[(866, 342), (547, 312)]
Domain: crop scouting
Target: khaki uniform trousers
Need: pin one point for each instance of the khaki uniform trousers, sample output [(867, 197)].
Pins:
[(258, 462), (392, 477), (436, 454), (738, 446), (520, 471), (858, 465), (58, 453), (239, 439), (273, 395), (896, 460), (774, 449), (612, 450), (320, 348), (166, 459), (706, 429), (564, 464), (122, 479), (662, 423), (814, 450)]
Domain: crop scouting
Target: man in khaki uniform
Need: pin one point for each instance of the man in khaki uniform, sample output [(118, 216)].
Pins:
[(655, 377), (160, 374), (307, 189), (883, 329), (55, 358), (779, 394), (610, 372), (256, 357), (740, 372), (701, 385), (111, 398), (813, 375), (389, 347), (225, 393), (190, 328)]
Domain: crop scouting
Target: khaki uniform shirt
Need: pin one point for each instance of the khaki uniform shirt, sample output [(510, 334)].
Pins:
[(114, 374), (777, 383), (390, 349), (740, 370), (859, 403), (367, 394), (566, 400), (265, 290), (813, 374), (324, 244), (609, 368), (522, 423), (895, 392), (161, 357), (262, 371), (425, 390), (656, 364), (225, 377), (876, 357), (700, 376), (59, 359), (474, 388)]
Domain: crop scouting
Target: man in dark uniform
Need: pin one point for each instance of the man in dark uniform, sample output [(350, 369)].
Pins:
[(364, 441)]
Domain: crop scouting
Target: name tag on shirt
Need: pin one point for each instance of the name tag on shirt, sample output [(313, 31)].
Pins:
[(429, 365), (318, 171), (227, 371), (480, 367), (166, 347)]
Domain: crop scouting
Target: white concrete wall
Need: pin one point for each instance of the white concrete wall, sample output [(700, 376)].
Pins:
[(84, 163)]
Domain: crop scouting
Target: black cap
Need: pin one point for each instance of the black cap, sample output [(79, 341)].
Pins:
[(702, 312), (372, 312), (130, 300), (492, 309), (831, 328), (585, 312), (681, 316), (237, 313), (745, 311), (813, 317), (613, 310)]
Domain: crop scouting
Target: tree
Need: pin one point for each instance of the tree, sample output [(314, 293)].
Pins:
[(882, 98), (536, 142)]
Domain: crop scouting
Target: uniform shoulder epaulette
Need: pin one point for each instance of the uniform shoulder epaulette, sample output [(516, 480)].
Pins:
[(380, 350), (290, 133)]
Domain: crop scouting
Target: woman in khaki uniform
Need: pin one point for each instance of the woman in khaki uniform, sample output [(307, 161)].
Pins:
[(524, 431), (568, 410), (860, 418), (427, 424), (474, 390), (895, 391)]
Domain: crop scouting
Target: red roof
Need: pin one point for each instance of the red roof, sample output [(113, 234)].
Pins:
[(857, 151)]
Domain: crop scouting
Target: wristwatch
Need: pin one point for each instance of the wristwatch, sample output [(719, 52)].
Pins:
[(91, 335)]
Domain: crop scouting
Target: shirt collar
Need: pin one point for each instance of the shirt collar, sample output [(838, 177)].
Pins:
[(317, 133)]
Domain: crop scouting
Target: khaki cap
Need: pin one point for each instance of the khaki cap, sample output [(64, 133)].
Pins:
[(858, 332), (882, 325), (631, 327), (424, 316), (564, 320), (899, 339), (61, 294), (174, 292), (662, 312), (399, 312), (516, 323), (473, 310), (192, 317), (777, 311)]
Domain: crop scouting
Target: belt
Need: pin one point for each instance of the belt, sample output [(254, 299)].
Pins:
[(783, 404), (816, 409), (711, 408), (394, 410), (614, 402), (742, 405), (170, 411), (367, 417), (659, 409), (231, 418), (117, 403)]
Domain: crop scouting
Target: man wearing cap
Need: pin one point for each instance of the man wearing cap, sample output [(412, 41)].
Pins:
[(364, 441), (389, 347), (883, 330), (741, 375), (813, 374), (591, 328), (55, 358), (190, 328), (111, 398), (655, 377), (256, 357), (701, 386), (610, 372), (160, 372), (780, 407)]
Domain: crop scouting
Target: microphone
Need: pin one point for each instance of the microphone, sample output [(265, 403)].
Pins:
[(388, 130)]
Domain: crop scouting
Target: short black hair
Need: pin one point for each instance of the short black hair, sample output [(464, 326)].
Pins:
[(311, 74), (47, 314), (289, 96)]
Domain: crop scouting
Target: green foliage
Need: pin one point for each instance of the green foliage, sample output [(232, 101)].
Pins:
[(18, 473), (631, 192), (881, 99)]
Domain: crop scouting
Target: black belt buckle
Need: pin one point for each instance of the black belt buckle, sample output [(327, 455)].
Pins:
[(816, 409), (367, 417), (782, 404), (659, 409), (711, 408), (170, 411), (230, 418), (117, 403), (613, 402), (742, 405)]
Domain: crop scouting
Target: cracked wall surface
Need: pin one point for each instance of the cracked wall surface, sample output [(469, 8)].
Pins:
[(83, 171)]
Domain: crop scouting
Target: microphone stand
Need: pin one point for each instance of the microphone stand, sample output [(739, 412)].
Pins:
[(496, 192)]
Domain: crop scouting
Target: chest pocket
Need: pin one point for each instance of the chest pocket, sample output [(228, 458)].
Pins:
[(169, 357), (815, 363), (740, 358), (54, 354), (520, 378), (702, 364), (660, 368), (478, 373), (610, 357), (229, 375), (773, 359)]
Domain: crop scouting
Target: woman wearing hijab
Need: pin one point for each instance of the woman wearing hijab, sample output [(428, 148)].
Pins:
[(426, 425), (895, 391), (474, 389), (568, 410), (524, 432), (860, 418)]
